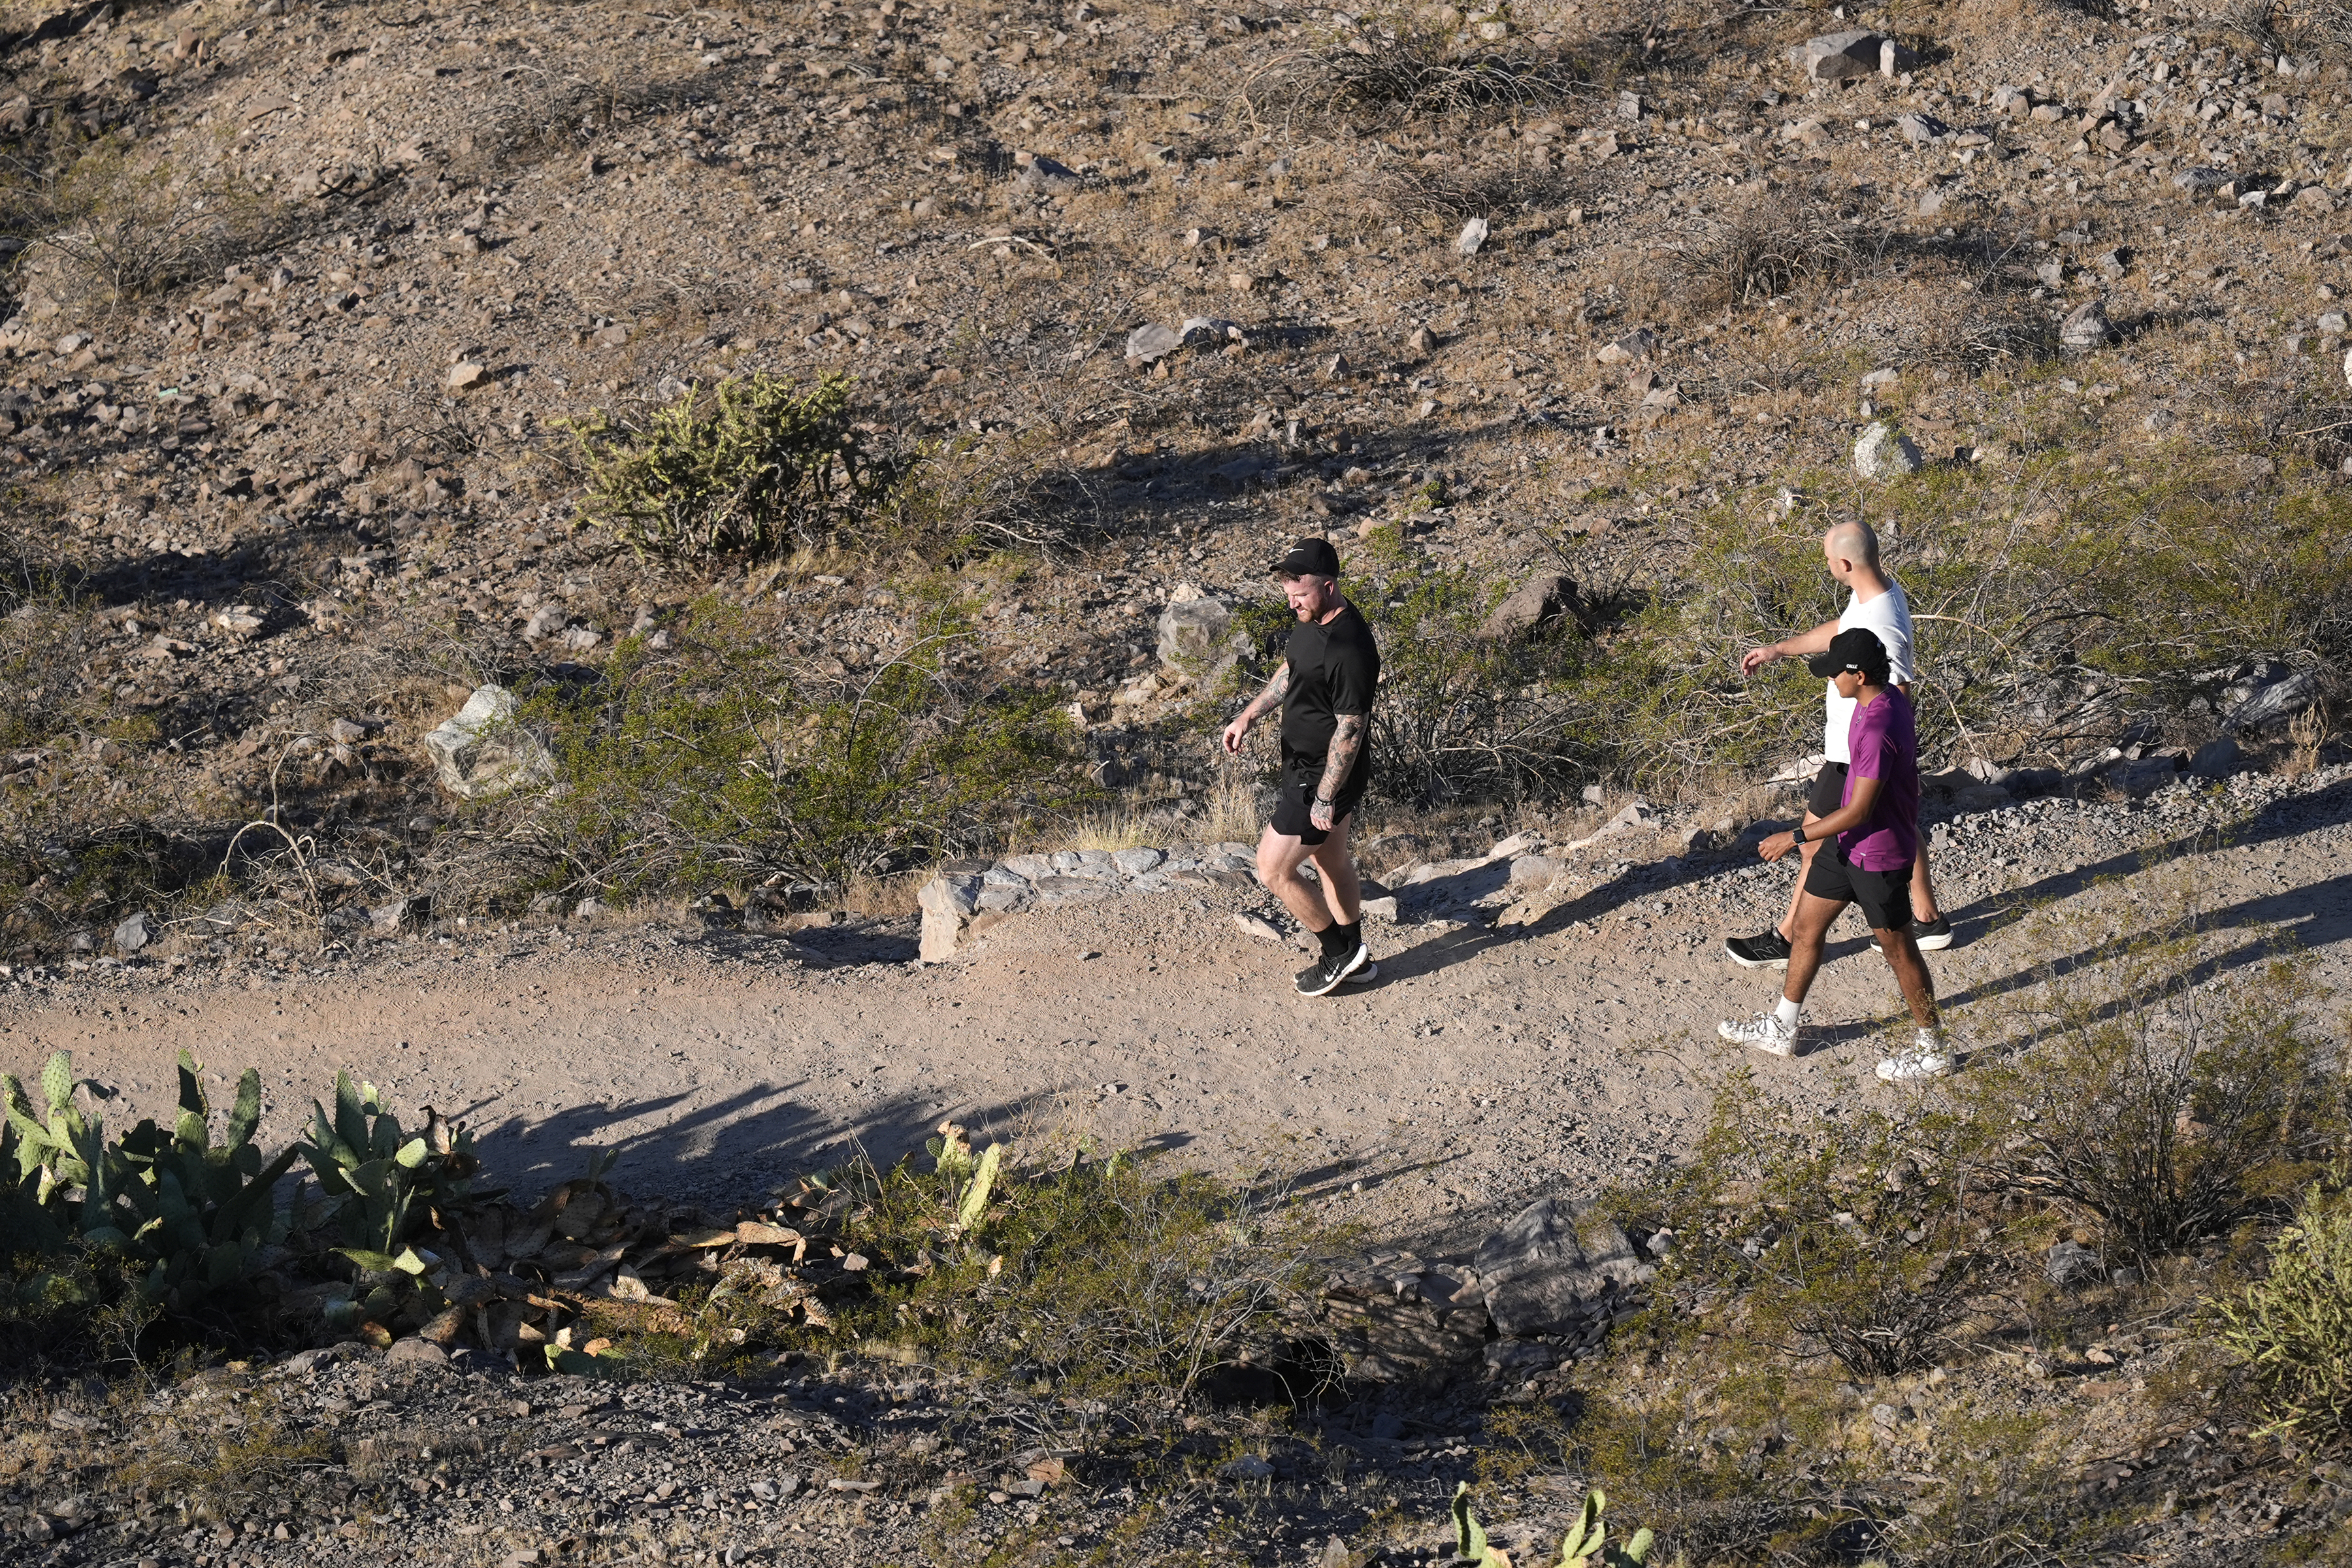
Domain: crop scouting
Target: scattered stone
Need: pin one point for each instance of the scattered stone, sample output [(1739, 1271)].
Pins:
[(1535, 603), (1922, 130), (483, 750), (1198, 639), (133, 934), (1043, 173), (1151, 341), (399, 914), (1842, 57), (1253, 925), (1248, 1468), (1473, 236), (2069, 1263), (415, 1352), (464, 375), (1632, 346), (2085, 328), (1885, 454)]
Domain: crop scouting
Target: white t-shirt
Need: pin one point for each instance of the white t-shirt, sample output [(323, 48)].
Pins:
[(1889, 615)]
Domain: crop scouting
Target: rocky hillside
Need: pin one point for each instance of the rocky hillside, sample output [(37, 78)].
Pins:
[(305, 295)]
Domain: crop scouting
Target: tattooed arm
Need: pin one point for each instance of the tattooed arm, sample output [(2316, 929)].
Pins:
[(1265, 702), (1347, 740)]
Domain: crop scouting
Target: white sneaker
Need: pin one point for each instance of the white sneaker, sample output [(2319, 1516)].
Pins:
[(1765, 1032), (1927, 1059)]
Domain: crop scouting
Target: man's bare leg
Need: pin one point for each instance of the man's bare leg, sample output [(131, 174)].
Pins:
[(1279, 856), (1924, 908), (1911, 974), (1808, 930), (1343, 888), (1808, 850)]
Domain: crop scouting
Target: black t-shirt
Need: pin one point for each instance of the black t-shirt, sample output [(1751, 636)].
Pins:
[(1334, 668)]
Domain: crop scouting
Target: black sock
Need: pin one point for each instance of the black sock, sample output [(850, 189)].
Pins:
[(1336, 940)]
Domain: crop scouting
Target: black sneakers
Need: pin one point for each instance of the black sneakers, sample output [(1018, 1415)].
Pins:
[(1326, 974), (1766, 950)]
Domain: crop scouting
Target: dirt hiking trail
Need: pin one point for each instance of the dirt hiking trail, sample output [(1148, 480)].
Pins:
[(1485, 1061)]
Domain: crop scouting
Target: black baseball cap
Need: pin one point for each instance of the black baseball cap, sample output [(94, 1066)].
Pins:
[(1310, 557), (1856, 649)]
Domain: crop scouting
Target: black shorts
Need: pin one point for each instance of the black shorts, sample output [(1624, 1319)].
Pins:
[(1300, 778), (1829, 791), (1885, 896)]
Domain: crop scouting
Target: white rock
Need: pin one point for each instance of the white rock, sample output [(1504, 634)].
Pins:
[(483, 750), (1882, 454), (1473, 236), (1151, 341)]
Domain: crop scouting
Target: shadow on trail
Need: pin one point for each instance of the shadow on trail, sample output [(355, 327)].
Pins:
[(731, 1150)]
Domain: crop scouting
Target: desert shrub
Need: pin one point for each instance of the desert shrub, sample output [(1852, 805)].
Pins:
[(2292, 1330), (753, 464), (2163, 1102), (725, 758), (1391, 61), (1846, 1238), (128, 229), (1451, 196), (1772, 243), (2055, 609)]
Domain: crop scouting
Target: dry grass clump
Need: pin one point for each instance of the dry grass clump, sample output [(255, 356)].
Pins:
[(1972, 331), (1777, 241), (1451, 196), (1386, 64)]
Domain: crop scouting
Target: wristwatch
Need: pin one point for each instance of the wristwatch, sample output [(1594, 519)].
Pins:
[(1798, 832)]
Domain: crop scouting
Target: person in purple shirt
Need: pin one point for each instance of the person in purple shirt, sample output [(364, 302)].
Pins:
[(1871, 843)]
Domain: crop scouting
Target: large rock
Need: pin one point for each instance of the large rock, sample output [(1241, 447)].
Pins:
[(2269, 704), (1402, 1323), (1198, 639), (1542, 1272), (1884, 453), (1533, 603), (133, 934), (2217, 759), (948, 903), (483, 750), (1840, 57), (2085, 328)]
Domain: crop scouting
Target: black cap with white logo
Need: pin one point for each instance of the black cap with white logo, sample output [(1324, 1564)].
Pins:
[(1856, 649), (1310, 557)]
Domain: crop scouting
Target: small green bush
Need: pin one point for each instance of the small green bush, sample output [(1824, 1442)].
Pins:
[(2292, 1330), (727, 759), (2163, 1104), (753, 464), (1845, 1237)]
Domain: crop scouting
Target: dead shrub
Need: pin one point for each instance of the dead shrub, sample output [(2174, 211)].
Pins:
[(1391, 63), (1449, 197), (122, 231), (1776, 242)]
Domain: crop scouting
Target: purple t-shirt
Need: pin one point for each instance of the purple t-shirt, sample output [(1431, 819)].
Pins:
[(1885, 745)]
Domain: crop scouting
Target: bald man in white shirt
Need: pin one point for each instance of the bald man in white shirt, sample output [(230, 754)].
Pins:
[(1876, 601)]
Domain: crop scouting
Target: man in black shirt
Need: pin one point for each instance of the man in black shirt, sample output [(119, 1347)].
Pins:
[(1324, 689)]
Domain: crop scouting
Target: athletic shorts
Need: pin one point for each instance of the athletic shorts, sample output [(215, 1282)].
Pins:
[(1300, 777), (1829, 791), (1885, 896)]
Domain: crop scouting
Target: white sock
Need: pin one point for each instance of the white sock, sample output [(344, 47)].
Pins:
[(1788, 1012)]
